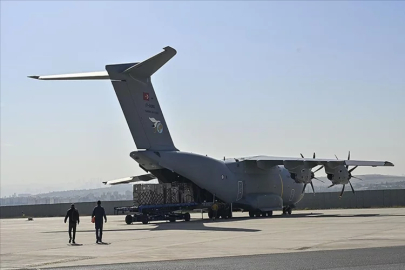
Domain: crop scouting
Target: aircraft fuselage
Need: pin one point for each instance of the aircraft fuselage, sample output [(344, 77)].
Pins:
[(229, 180)]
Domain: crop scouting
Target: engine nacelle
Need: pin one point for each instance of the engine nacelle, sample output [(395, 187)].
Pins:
[(301, 175), (339, 175)]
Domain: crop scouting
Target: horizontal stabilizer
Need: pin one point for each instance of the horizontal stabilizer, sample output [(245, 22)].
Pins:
[(148, 67), (100, 75), (131, 179), (143, 69)]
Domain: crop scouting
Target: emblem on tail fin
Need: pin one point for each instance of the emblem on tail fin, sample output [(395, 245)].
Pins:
[(157, 125)]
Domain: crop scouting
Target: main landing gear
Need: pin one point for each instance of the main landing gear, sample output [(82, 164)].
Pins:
[(258, 213)]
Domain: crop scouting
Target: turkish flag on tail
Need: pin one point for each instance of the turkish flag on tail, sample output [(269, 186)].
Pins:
[(145, 96)]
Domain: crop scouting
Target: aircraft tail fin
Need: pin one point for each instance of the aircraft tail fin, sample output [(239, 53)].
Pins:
[(139, 103), (135, 93)]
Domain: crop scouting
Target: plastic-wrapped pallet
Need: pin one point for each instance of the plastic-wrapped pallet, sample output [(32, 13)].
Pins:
[(185, 192), (167, 193), (175, 194)]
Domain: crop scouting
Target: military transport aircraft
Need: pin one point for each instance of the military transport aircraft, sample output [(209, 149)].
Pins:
[(260, 184)]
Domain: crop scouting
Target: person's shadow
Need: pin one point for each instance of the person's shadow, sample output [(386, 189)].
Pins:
[(75, 244)]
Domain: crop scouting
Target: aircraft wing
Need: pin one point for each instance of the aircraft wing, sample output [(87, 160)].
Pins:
[(131, 179), (268, 161)]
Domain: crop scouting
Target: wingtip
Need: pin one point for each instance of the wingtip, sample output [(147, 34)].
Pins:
[(33, 77)]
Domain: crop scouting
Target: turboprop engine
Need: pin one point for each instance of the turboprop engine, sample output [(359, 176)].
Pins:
[(301, 175), (341, 175)]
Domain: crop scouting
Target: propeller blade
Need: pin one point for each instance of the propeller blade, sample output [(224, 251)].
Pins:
[(357, 178), (320, 168), (343, 189), (314, 155), (313, 190), (352, 169), (348, 158), (305, 185), (351, 187), (302, 156), (331, 185), (318, 180), (336, 157)]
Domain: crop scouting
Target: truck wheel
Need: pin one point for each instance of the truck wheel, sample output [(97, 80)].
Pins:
[(128, 219), (145, 219), (187, 217)]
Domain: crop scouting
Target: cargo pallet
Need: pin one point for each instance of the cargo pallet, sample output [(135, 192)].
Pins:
[(146, 213)]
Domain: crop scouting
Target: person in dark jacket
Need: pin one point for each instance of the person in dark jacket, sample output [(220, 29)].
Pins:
[(73, 216), (99, 214)]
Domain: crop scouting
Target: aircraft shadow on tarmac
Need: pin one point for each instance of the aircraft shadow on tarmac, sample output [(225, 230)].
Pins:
[(199, 224)]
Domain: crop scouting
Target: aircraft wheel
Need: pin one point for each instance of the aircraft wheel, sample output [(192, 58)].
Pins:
[(210, 214), (128, 219), (289, 210), (187, 216), (230, 213), (172, 219), (269, 213), (251, 214)]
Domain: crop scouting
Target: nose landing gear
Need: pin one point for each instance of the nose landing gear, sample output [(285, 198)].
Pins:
[(287, 210)]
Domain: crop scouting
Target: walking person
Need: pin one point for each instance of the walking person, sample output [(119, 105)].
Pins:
[(73, 216), (98, 215)]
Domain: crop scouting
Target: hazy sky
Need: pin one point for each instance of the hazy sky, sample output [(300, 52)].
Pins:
[(249, 78)]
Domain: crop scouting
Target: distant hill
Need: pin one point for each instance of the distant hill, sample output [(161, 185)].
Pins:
[(124, 192)]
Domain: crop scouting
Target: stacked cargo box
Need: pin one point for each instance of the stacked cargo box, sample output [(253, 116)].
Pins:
[(167, 193)]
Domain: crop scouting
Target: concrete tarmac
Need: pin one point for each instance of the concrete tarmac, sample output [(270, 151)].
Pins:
[(43, 242), (386, 258)]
